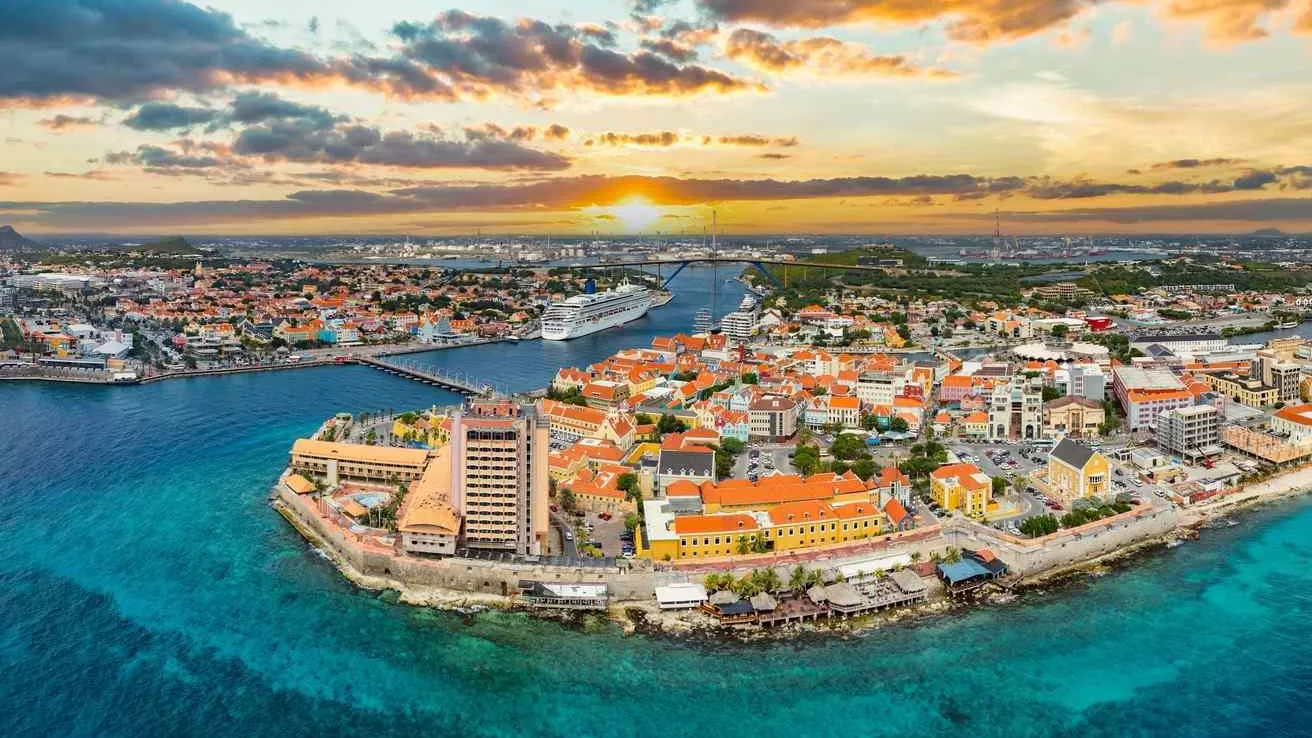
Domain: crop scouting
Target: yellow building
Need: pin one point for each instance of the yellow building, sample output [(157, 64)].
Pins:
[(785, 527), (1245, 390), (962, 487), (428, 522), (1076, 471), (357, 461)]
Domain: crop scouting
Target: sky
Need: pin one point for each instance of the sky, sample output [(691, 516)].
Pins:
[(1064, 117)]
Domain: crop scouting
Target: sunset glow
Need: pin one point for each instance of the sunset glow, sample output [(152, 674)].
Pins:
[(856, 116)]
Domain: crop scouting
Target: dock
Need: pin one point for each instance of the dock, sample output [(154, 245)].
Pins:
[(428, 376)]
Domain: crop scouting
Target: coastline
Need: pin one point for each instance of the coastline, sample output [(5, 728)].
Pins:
[(644, 617)]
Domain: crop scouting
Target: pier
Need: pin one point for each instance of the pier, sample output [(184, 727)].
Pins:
[(463, 385)]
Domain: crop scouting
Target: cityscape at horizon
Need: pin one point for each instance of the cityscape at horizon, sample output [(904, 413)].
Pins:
[(641, 117)]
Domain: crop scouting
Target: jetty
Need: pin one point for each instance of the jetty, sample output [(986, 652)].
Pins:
[(433, 377)]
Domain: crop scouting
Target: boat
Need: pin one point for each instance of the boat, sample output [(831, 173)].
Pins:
[(582, 315), (1286, 325)]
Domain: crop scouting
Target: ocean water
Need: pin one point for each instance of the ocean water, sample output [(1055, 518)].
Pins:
[(146, 589)]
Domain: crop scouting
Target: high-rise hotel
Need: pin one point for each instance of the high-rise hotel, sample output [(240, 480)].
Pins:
[(499, 476)]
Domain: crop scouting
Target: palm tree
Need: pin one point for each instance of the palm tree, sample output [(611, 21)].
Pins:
[(797, 580), (915, 557)]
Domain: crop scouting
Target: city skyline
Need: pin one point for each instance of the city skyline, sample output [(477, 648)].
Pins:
[(822, 116)]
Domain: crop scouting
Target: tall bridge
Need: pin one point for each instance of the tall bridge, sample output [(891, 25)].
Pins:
[(759, 264), (463, 385)]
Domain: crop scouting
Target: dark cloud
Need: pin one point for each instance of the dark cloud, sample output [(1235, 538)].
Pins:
[(465, 55), (821, 54), (1286, 209), (61, 122), (156, 116), (157, 157), (258, 107), (659, 138), (8, 179), (292, 140), (1254, 180), (58, 49), (672, 50), (773, 155), (556, 132), (1197, 163)]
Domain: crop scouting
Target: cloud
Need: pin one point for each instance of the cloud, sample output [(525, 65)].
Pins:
[(291, 140), (156, 116), (1254, 180), (672, 50), (751, 140), (152, 157), (556, 132), (563, 193), (469, 56), (1268, 209), (991, 21), (9, 179), (659, 138), (821, 54), (61, 123), (1197, 163), (773, 155), (122, 51), (976, 21)]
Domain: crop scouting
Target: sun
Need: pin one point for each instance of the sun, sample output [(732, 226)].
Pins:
[(635, 213)]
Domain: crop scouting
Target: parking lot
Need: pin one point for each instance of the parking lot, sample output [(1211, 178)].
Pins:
[(763, 461)]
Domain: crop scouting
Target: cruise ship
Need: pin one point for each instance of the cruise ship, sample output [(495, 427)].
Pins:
[(583, 314)]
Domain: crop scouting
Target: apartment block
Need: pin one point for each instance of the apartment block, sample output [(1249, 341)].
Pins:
[(499, 476)]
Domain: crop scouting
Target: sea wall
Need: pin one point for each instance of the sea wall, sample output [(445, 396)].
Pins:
[(456, 574), (1067, 547)]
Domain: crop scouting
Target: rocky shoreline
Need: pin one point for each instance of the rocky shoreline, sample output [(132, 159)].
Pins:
[(644, 618)]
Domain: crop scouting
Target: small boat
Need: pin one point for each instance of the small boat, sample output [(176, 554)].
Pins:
[(512, 338), (1286, 325)]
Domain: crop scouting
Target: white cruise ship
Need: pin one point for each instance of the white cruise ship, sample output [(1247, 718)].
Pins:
[(583, 314)]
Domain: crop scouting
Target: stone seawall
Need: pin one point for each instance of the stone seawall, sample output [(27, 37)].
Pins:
[(498, 579), (1065, 548), (377, 567)]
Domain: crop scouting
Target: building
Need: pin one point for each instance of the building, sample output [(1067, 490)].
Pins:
[(1246, 390), (1294, 423), (693, 463), (879, 388), (1073, 416), (1197, 343), (499, 476), (1076, 471), (1190, 432), (336, 462), (741, 324), (1016, 409), (1146, 393), (961, 487), (773, 418), (427, 522), (1084, 380), (1062, 291), (1279, 373)]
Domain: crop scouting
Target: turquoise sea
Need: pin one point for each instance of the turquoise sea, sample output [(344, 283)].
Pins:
[(146, 589)]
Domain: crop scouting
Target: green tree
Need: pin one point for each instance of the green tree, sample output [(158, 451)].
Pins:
[(631, 520), (797, 579), (865, 469), (751, 378), (999, 486), (670, 424), (869, 421), (899, 425)]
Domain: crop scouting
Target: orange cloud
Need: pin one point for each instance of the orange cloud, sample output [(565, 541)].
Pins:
[(988, 21), (821, 54)]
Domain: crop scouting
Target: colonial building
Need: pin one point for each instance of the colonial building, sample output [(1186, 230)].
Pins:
[(1076, 470), (1072, 417), (961, 487)]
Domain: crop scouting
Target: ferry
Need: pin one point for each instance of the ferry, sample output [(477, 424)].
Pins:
[(582, 315), (1286, 325)]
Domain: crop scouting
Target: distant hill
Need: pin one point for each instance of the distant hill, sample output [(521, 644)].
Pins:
[(1273, 232), (12, 240)]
